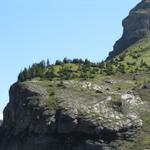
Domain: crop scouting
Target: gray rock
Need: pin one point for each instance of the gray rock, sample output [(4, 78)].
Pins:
[(147, 85), (1, 122), (79, 122), (136, 26)]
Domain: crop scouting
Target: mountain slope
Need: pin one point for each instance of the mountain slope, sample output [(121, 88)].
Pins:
[(134, 59)]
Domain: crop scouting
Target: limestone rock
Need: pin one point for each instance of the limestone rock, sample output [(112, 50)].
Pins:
[(135, 27), (80, 121)]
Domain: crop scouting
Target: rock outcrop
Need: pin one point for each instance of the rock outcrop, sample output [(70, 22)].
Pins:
[(38, 118), (147, 85), (136, 26)]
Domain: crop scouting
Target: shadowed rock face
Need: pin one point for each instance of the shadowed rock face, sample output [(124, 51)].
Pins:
[(80, 121), (1, 122), (135, 27)]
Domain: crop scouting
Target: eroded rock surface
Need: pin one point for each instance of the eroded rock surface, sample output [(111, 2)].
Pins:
[(136, 26), (1, 122), (77, 121)]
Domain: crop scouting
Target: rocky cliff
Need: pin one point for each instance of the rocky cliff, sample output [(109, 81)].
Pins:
[(99, 112), (80, 115), (1, 122), (135, 27)]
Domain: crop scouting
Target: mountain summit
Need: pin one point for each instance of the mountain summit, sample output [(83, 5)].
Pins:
[(135, 27)]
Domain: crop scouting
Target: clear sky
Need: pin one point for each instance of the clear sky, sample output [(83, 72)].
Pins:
[(32, 30)]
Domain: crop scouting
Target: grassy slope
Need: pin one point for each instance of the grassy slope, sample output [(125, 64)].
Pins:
[(142, 48), (136, 58), (131, 58)]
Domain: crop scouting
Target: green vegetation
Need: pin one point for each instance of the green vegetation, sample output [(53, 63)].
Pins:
[(52, 101), (135, 60), (62, 70)]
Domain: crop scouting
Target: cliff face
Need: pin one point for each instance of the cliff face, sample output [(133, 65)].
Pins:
[(135, 27), (1, 122), (39, 118)]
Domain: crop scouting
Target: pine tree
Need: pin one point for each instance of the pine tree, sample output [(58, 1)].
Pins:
[(48, 62), (26, 74), (21, 77)]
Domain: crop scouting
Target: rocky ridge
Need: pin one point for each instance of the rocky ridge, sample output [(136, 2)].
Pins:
[(135, 27)]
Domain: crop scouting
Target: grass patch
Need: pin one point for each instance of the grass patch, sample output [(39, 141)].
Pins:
[(51, 102)]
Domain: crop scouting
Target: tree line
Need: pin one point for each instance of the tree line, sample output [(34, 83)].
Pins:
[(84, 69), (46, 70)]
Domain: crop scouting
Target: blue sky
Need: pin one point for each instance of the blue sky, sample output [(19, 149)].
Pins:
[(32, 30)]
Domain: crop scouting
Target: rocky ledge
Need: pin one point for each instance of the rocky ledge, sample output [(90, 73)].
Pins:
[(136, 26), (75, 115)]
